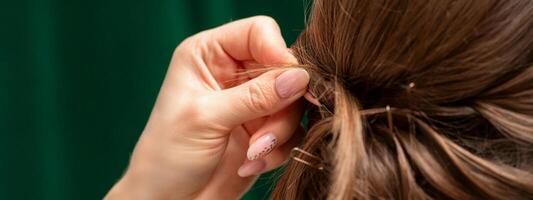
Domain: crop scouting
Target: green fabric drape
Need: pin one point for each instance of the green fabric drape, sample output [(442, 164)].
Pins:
[(78, 80)]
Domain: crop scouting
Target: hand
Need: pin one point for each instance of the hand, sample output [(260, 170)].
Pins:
[(207, 113)]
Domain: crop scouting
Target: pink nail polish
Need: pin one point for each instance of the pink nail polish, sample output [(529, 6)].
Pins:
[(262, 146), (250, 168), (291, 82)]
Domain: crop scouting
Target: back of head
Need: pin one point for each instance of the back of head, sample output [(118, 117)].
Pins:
[(457, 76)]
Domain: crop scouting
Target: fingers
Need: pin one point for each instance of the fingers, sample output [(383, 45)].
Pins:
[(262, 96), (256, 38), (271, 144), (273, 160), (250, 168), (280, 155), (276, 131)]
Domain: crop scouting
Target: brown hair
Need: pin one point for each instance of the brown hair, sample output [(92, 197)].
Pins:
[(459, 74)]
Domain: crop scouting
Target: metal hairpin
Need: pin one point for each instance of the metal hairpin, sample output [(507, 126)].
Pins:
[(317, 164), (387, 109), (371, 111)]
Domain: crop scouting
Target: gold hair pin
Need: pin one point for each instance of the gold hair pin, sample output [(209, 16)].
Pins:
[(315, 163), (387, 109), (372, 111)]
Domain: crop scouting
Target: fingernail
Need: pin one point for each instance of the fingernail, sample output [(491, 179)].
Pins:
[(262, 146), (291, 82), (254, 167)]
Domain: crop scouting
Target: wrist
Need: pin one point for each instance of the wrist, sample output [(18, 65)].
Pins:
[(133, 186), (155, 175), (125, 188)]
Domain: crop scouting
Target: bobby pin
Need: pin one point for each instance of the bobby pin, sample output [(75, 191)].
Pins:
[(296, 150), (320, 165), (373, 111)]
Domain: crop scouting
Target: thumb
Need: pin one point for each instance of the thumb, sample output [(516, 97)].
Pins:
[(261, 96)]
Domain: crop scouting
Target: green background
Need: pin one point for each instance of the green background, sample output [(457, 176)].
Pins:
[(78, 80)]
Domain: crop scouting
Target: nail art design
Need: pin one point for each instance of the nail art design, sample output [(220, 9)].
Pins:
[(262, 146)]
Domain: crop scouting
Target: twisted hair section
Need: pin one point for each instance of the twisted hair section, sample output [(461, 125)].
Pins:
[(459, 74)]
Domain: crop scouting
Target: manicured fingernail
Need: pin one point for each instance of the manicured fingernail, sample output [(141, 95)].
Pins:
[(262, 146), (253, 167), (291, 82)]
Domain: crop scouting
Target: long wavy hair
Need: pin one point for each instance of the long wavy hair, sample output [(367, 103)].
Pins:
[(458, 77)]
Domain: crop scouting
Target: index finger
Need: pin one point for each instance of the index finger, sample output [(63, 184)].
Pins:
[(256, 38)]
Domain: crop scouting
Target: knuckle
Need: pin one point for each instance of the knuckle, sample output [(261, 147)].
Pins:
[(265, 20), (200, 116), (195, 110), (260, 97), (202, 105), (187, 41), (184, 46), (191, 43)]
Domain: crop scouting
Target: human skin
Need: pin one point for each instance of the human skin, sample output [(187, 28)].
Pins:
[(203, 139)]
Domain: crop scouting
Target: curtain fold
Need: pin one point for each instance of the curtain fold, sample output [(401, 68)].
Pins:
[(78, 80)]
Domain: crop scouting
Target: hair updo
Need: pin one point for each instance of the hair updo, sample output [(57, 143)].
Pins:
[(458, 72)]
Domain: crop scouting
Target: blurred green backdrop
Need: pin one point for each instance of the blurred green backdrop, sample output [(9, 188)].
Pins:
[(78, 80)]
